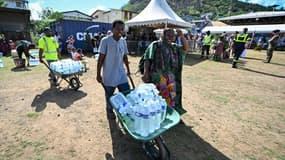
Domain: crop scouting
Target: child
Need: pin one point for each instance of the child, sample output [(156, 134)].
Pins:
[(219, 49), (78, 56)]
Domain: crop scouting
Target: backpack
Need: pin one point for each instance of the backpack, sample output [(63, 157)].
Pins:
[(141, 62), (141, 65)]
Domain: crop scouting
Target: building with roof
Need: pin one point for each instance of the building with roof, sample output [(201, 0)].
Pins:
[(256, 18), (76, 15), (15, 20), (112, 14), (17, 4), (251, 28)]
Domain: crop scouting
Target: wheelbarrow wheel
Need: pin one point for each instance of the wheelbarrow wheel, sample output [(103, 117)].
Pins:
[(74, 83), (156, 149)]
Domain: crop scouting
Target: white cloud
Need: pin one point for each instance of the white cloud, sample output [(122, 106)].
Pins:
[(92, 10), (36, 9)]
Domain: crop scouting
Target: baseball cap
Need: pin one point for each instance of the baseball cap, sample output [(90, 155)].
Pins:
[(46, 29), (276, 31)]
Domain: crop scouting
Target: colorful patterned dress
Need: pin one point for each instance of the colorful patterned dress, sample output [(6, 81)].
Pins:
[(166, 71)]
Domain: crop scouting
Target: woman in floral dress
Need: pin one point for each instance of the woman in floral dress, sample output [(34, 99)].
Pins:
[(163, 67)]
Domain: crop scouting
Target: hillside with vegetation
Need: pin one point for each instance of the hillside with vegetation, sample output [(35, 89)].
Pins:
[(192, 9)]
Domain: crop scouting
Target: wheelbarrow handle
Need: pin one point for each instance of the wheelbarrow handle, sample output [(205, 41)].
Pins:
[(132, 82), (51, 71)]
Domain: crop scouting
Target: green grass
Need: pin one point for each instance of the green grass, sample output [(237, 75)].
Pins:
[(33, 114), (9, 71)]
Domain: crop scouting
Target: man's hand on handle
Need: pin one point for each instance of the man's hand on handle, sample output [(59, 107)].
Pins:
[(99, 79)]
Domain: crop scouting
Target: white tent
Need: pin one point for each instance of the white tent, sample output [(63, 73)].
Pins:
[(251, 28), (158, 14)]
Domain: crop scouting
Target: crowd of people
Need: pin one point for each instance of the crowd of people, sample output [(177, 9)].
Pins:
[(222, 46)]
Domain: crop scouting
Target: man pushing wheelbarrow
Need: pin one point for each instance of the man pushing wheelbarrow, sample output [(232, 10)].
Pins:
[(48, 47)]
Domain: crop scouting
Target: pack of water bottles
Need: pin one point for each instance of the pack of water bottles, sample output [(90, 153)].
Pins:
[(1, 63), (66, 67), (143, 109), (35, 60)]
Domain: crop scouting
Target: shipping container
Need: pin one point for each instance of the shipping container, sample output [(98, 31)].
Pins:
[(78, 29)]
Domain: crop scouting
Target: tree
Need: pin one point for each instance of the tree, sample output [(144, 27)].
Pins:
[(49, 13), (46, 17), (2, 3)]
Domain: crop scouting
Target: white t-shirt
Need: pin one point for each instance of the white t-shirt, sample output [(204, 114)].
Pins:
[(113, 68)]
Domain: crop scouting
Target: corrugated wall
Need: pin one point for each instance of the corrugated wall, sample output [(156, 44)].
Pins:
[(66, 28)]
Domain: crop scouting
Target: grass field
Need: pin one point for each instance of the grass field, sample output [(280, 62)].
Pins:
[(232, 114)]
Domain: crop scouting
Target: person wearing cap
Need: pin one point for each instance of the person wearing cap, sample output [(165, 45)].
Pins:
[(206, 44), (239, 45), (23, 47), (48, 47), (272, 43)]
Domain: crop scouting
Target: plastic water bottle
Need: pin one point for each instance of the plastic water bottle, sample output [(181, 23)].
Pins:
[(131, 98), (34, 62), (152, 113), (118, 100), (179, 43), (157, 109), (163, 106), (1, 64), (142, 121)]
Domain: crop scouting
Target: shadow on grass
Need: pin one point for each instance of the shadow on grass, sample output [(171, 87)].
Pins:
[(252, 58), (20, 69), (183, 142), (264, 73), (124, 146), (278, 64), (63, 98), (192, 59)]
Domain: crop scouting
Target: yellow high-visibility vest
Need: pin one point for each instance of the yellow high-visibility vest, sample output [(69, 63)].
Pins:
[(49, 46), (207, 40), (241, 38)]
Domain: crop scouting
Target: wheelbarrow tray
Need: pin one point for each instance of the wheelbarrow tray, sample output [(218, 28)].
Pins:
[(72, 79), (172, 118), (67, 75)]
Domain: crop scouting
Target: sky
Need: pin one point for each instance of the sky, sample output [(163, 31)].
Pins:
[(281, 3), (89, 6), (85, 6)]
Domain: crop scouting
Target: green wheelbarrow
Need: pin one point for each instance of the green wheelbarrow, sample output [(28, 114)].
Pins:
[(153, 144)]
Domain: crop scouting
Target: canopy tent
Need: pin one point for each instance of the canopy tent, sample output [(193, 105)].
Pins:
[(159, 30), (158, 14), (251, 28)]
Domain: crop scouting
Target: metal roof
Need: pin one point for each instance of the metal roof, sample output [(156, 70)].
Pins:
[(251, 28), (255, 15)]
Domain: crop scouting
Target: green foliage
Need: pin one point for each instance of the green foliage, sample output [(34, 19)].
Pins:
[(35, 38), (38, 25), (47, 16), (49, 13), (2, 3), (219, 8)]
